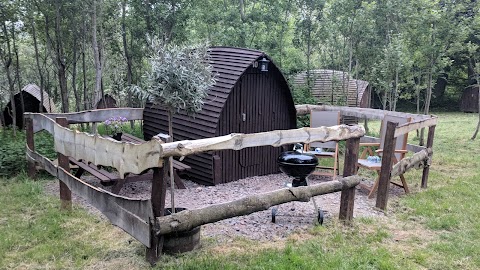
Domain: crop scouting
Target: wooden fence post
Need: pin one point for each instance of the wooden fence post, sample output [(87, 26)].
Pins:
[(387, 160), (65, 192), (347, 198), (158, 194), (32, 171), (426, 169)]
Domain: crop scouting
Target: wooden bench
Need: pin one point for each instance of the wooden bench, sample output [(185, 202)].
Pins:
[(110, 179)]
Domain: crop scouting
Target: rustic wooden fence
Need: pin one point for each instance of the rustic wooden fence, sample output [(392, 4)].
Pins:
[(421, 158), (144, 220)]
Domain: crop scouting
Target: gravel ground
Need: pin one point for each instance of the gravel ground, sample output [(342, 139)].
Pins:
[(292, 217)]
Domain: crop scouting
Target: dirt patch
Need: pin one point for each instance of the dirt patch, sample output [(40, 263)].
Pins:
[(293, 217)]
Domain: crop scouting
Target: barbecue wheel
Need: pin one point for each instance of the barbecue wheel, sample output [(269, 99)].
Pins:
[(320, 216), (274, 213)]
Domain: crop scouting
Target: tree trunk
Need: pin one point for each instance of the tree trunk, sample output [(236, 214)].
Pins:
[(243, 18), (18, 79), (96, 55), (189, 219), (37, 61), (282, 33), (128, 58), (477, 77), (7, 62), (60, 60), (395, 92), (84, 68), (384, 101), (2, 121), (427, 103), (74, 65), (417, 92), (46, 70)]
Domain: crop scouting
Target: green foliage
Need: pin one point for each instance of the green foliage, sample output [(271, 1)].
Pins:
[(179, 77), (12, 150), (302, 95), (36, 234), (436, 228), (12, 153)]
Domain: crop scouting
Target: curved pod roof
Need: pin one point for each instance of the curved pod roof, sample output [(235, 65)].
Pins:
[(228, 65)]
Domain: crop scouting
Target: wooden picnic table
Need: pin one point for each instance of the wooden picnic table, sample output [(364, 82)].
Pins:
[(110, 179)]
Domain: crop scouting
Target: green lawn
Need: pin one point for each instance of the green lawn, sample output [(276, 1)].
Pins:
[(436, 228)]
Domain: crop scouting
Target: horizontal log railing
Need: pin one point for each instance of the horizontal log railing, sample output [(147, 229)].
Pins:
[(131, 215), (139, 217), (189, 219), (136, 158), (91, 116), (358, 112), (423, 155), (142, 218)]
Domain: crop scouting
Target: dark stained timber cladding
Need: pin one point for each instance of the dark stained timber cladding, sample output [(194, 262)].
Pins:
[(265, 100)]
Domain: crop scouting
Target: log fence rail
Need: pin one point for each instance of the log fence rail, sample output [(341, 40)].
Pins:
[(143, 219)]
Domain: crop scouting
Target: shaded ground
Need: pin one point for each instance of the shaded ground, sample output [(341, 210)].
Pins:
[(294, 217)]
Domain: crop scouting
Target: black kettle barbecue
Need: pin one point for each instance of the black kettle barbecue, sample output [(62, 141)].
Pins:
[(298, 165)]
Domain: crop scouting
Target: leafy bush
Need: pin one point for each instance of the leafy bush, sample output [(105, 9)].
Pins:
[(302, 95), (12, 150), (12, 153), (179, 76)]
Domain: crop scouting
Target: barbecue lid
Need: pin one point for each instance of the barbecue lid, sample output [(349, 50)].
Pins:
[(297, 158)]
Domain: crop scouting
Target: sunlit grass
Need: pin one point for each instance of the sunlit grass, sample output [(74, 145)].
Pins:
[(433, 228), (35, 234)]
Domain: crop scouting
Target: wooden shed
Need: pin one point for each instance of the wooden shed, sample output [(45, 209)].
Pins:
[(336, 88), (31, 98), (469, 101), (107, 101), (243, 100)]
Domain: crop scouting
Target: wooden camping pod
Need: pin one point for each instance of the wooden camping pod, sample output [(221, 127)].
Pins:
[(336, 88), (32, 96), (107, 101), (469, 101), (243, 100)]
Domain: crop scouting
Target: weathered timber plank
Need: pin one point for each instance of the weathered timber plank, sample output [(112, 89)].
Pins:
[(426, 169), (387, 160), (118, 210), (65, 192), (357, 112), (40, 122), (188, 219), (136, 158), (416, 161), (125, 157), (131, 215), (100, 115), (417, 124), (410, 147), (32, 172), (369, 139), (274, 138), (347, 197), (42, 161)]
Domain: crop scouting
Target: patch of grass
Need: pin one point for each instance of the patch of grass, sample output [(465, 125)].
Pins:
[(435, 228), (35, 234)]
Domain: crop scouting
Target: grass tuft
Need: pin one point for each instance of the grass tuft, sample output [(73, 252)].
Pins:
[(436, 228)]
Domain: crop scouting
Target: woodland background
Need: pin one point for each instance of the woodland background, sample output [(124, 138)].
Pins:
[(421, 52)]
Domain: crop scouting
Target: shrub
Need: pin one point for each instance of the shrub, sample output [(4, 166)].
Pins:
[(302, 95), (12, 150)]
